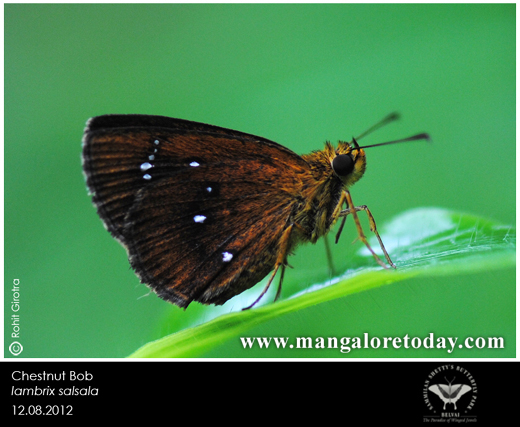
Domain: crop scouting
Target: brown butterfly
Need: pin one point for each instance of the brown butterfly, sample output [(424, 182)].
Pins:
[(206, 212)]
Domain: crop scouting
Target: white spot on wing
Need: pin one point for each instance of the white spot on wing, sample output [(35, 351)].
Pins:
[(226, 256), (199, 218), (194, 164)]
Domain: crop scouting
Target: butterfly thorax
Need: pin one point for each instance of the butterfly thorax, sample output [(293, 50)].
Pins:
[(322, 187)]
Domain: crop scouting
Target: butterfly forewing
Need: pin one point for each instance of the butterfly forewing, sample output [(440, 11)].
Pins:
[(197, 207)]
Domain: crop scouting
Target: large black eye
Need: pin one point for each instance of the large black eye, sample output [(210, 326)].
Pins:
[(343, 165)]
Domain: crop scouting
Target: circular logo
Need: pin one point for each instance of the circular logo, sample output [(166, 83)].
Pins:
[(15, 348), (450, 391)]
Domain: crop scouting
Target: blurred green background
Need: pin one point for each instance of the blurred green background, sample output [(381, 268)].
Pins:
[(296, 74)]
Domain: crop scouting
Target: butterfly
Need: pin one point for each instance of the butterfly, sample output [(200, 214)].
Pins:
[(205, 212), (449, 393)]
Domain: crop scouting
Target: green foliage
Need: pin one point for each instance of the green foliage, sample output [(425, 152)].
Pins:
[(424, 242), (298, 74)]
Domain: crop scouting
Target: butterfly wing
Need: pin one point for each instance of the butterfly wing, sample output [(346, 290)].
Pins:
[(200, 209), (439, 391), (458, 391)]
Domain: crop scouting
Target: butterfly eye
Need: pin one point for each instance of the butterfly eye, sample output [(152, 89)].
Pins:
[(343, 165)]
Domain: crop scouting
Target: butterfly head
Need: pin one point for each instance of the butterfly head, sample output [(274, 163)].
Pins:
[(349, 162)]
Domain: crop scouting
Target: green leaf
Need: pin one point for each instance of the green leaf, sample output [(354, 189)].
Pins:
[(424, 241)]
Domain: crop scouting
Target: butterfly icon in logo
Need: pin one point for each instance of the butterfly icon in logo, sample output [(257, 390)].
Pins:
[(449, 393)]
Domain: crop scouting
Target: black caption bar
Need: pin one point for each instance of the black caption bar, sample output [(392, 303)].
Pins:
[(408, 392)]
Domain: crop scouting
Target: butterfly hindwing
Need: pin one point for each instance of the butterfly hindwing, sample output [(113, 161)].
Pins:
[(182, 248), (197, 207)]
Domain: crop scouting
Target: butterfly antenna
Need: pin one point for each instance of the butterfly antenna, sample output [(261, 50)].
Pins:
[(424, 136), (388, 119)]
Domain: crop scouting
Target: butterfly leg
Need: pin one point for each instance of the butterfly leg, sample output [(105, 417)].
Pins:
[(329, 254), (280, 262), (351, 209), (279, 290)]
